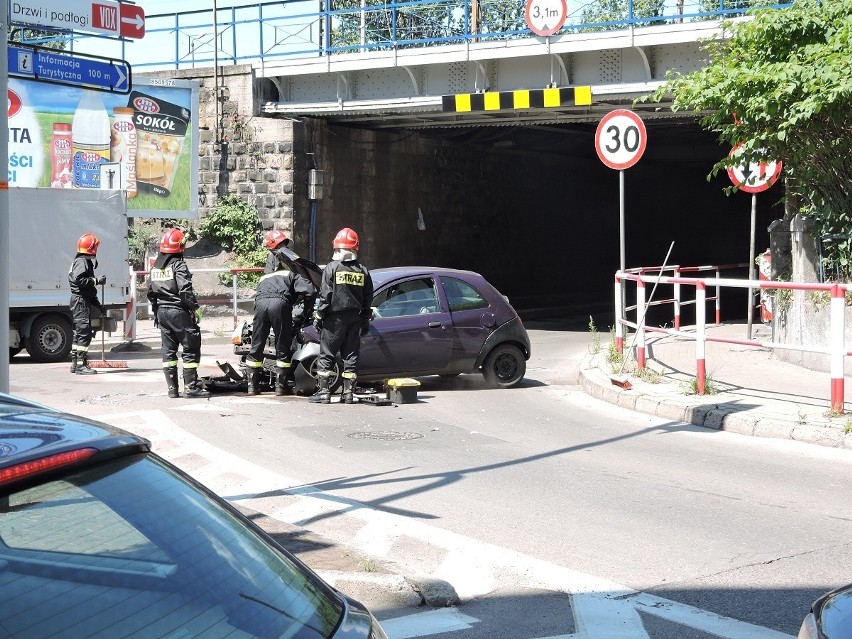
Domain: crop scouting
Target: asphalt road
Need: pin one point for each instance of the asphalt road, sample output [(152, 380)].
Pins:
[(549, 513)]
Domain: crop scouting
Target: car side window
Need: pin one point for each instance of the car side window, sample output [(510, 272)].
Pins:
[(461, 296), (411, 297)]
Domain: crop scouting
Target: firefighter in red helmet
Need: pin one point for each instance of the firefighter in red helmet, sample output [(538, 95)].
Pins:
[(277, 293), (342, 315), (84, 298), (274, 239), (177, 313)]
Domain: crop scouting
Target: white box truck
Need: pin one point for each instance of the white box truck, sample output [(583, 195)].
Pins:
[(44, 226)]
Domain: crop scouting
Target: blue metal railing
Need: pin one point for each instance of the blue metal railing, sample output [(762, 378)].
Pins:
[(271, 31)]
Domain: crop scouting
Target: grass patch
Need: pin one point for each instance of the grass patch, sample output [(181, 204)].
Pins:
[(690, 387)]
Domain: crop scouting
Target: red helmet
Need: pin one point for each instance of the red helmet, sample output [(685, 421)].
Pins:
[(88, 244), (173, 241), (274, 238), (346, 239)]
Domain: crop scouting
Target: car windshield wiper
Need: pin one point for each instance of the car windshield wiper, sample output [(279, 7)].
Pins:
[(279, 610)]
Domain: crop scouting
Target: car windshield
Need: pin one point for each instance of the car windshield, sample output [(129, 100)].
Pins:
[(130, 549)]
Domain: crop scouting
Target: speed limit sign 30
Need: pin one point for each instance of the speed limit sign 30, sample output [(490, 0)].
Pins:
[(620, 139)]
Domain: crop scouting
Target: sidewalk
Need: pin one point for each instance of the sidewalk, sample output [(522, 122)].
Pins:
[(749, 391)]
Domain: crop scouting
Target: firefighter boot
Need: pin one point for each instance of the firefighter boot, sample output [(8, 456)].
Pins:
[(347, 396), (282, 381), (74, 361), (83, 367), (323, 395), (191, 386), (253, 381), (171, 374)]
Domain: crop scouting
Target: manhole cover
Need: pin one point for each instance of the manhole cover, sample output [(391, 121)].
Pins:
[(384, 435)]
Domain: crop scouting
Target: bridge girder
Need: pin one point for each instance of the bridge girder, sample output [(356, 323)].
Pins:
[(404, 88)]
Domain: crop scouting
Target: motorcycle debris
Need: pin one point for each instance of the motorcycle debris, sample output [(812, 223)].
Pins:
[(375, 400)]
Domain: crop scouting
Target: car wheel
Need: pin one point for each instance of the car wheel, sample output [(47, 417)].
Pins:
[(49, 339), (336, 376), (504, 367)]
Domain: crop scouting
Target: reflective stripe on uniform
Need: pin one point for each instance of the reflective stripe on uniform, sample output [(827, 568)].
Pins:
[(253, 364), (350, 278)]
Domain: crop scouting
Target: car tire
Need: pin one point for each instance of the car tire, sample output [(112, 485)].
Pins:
[(49, 339), (504, 367)]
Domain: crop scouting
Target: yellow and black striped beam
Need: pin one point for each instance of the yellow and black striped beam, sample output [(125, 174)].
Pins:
[(517, 100)]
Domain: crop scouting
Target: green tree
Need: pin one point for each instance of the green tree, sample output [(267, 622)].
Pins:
[(499, 16), (781, 84), (384, 22), (47, 39), (234, 225), (616, 10)]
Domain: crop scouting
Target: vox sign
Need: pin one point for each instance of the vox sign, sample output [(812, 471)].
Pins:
[(93, 16)]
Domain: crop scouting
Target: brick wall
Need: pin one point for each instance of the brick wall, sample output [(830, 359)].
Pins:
[(243, 153)]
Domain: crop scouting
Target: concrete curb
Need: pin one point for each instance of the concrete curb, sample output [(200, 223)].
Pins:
[(393, 590), (716, 412)]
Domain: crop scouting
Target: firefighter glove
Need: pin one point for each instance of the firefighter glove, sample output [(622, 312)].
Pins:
[(318, 321), (198, 315), (101, 280), (365, 327)]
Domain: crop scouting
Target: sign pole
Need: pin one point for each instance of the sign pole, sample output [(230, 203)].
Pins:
[(622, 243), (754, 178), (751, 257), (620, 141), (5, 238)]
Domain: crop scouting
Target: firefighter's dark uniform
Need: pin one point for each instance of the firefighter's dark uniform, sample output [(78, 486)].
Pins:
[(274, 298), (174, 305), (343, 307), (84, 305)]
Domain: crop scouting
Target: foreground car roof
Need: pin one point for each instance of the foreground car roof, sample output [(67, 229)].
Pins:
[(30, 431)]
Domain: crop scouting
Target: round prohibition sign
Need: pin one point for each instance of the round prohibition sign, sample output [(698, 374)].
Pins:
[(546, 17), (620, 139), (756, 177)]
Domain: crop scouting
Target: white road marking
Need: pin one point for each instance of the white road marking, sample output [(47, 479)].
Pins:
[(602, 609), (423, 624)]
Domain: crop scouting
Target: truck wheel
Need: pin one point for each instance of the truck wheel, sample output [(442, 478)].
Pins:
[(49, 339), (504, 367)]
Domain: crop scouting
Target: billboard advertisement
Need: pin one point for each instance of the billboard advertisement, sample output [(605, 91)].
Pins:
[(144, 143)]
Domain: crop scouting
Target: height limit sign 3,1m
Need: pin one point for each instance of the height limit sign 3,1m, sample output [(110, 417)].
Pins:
[(546, 17)]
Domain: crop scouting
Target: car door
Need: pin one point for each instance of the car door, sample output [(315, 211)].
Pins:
[(410, 332), (472, 318)]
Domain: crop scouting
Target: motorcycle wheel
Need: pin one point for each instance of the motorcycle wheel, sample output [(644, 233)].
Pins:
[(336, 377)]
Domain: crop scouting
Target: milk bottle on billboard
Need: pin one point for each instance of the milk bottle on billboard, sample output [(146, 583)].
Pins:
[(26, 153), (123, 148), (61, 150), (90, 132)]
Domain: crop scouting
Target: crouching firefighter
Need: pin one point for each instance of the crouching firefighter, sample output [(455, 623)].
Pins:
[(84, 301), (177, 314), (274, 298), (342, 315)]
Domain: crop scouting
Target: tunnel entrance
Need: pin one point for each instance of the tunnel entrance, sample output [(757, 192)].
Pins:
[(532, 207)]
